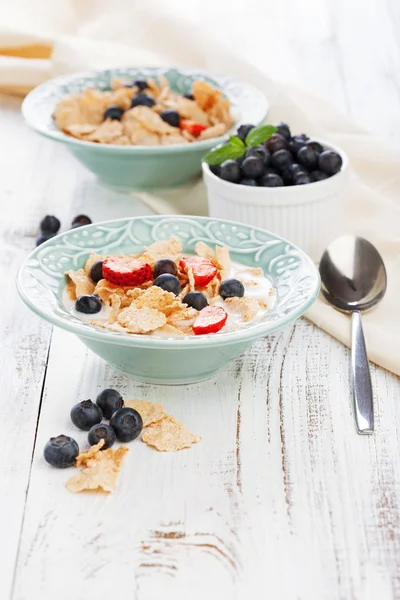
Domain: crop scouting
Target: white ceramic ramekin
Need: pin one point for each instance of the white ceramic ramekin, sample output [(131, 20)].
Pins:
[(309, 216)]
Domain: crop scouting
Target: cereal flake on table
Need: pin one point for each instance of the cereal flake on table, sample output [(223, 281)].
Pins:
[(100, 469), (151, 412), (127, 115), (169, 435)]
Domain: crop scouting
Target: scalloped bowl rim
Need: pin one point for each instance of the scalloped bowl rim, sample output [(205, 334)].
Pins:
[(248, 334), (60, 136)]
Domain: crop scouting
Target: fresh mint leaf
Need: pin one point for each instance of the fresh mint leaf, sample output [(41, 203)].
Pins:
[(236, 141), (229, 151), (258, 135)]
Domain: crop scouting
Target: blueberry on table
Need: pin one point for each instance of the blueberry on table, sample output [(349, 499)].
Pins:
[(164, 265), (96, 272), (143, 100), (250, 182), (85, 414), (308, 158), (284, 131), (141, 84), (253, 167), (43, 238), (50, 225), (88, 304), (271, 180), (330, 162), (301, 179), (113, 112), (297, 142), (314, 146), (195, 300), (101, 431), (169, 283), (127, 424), (276, 142), (231, 288), (81, 220), (109, 401), (171, 117), (318, 175), (281, 159), (259, 152), (189, 96), (244, 130), (230, 171), (61, 451)]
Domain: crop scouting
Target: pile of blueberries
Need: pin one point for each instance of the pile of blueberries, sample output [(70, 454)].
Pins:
[(50, 226), (281, 160), (142, 99), (125, 425)]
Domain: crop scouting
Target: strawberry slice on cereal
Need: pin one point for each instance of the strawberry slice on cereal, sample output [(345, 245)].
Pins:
[(192, 127), (126, 271), (210, 320), (203, 269)]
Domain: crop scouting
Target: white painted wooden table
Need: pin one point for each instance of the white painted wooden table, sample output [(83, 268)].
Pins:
[(280, 500)]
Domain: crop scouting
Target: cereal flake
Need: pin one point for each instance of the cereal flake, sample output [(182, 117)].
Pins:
[(100, 469), (151, 412), (169, 435)]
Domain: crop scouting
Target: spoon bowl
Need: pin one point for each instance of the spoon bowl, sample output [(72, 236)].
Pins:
[(354, 279)]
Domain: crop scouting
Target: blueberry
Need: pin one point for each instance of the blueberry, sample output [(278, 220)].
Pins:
[(81, 220), (291, 171), (231, 288), (314, 146), (50, 225), (169, 283), (61, 451), (284, 131), (88, 304), (141, 84), (142, 100), (127, 424), (253, 167), (259, 152), (104, 432), (189, 96), (164, 265), (308, 158), (171, 117), (195, 300), (215, 169), (109, 401), (230, 171), (43, 238), (96, 272), (243, 131), (251, 182), (281, 159), (113, 112), (297, 142), (301, 179), (276, 142), (85, 414), (271, 180), (330, 162), (318, 175)]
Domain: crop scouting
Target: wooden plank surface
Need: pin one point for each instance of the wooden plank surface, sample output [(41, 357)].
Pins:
[(281, 496)]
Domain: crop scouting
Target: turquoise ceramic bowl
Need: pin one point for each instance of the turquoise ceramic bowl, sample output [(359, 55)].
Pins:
[(139, 167), (161, 360)]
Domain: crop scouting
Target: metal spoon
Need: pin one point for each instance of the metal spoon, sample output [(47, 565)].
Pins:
[(354, 279)]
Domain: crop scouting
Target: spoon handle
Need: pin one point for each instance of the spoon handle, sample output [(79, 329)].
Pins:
[(361, 378)]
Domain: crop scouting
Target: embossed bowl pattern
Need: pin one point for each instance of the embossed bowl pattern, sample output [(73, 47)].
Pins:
[(41, 282)]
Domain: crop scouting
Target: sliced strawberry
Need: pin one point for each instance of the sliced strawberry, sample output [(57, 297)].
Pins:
[(192, 127), (210, 320), (203, 269), (126, 271)]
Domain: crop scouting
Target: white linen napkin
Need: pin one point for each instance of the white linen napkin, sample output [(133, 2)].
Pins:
[(42, 38)]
